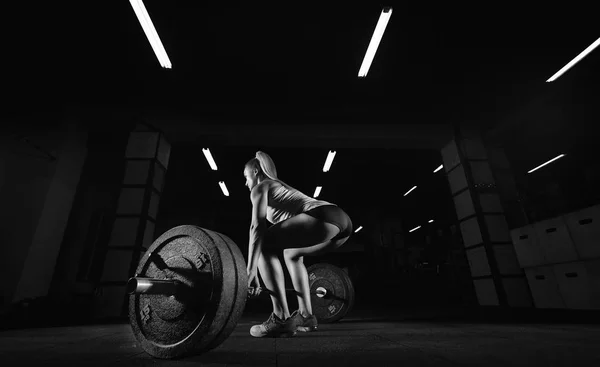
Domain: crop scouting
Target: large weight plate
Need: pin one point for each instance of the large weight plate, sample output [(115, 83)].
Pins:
[(202, 317), (239, 300), (340, 292)]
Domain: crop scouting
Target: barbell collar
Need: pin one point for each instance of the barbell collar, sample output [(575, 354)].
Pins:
[(320, 292)]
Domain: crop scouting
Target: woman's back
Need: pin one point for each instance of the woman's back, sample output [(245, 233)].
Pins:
[(284, 201)]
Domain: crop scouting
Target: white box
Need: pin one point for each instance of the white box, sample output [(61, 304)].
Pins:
[(555, 241), (574, 285), (593, 271), (544, 287), (584, 227), (527, 246)]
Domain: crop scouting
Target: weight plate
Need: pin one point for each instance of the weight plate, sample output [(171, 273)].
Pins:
[(191, 321), (339, 297), (239, 298)]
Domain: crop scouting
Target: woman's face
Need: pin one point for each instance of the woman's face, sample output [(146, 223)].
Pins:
[(251, 178)]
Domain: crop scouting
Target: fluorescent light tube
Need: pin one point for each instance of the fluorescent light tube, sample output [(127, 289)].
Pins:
[(224, 188), (408, 192), (414, 229), (384, 18), (151, 34), (583, 54), (543, 164), (329, 161), (209, 158)]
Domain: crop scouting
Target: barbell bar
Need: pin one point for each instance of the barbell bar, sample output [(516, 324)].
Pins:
[(139, 285), (319, 292), (173, 288)]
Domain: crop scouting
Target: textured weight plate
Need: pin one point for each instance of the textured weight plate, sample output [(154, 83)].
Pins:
[(239, 300), (339, 298), (189, 323)]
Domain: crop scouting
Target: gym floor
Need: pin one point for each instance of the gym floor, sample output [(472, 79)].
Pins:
[(362, 338)]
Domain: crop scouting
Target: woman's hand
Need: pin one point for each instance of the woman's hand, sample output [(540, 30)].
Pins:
[(253, 281)]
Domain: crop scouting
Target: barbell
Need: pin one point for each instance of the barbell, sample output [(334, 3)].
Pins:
[(191, 286), (255, 292)]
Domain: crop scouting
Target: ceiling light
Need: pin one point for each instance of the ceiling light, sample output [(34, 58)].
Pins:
[(414, 229), (329, 161), (209, 159), (151, 34), (543, 164), (408, 192), (224, 188), (583, 54), (384, 17)]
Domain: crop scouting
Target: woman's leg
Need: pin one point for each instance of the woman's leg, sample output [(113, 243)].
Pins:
[(272, 275), (294, 260), (299, 276), (302, 235)]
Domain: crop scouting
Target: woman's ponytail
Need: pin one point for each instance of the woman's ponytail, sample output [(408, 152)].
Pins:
[(267, 165)]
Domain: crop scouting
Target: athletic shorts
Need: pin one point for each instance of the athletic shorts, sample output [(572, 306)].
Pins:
[(334, 215)]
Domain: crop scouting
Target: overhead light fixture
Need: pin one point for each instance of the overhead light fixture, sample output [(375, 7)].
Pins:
[(358, 229), (151, 34), (317, 191), (550, 161), (431, 221), (583, 54), (414, 229), (209, 159), (224, 188), (384, 18), (439, 168), (408, 192), (329, 161)]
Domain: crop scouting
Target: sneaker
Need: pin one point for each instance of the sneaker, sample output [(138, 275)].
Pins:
[(304, 323), (274, 327)]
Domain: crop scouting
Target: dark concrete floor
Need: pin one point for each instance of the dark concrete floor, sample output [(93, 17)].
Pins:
[(362, 338)]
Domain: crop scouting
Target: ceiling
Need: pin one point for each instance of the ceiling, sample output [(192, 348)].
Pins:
[(289, 63)]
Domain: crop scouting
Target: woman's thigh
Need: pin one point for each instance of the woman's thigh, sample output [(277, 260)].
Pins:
[(299, 231), (315, 250)]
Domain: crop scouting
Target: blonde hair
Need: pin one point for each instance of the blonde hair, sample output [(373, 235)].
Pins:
[(264, 164)]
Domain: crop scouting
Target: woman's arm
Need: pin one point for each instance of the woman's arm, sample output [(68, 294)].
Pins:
[(258, 226)]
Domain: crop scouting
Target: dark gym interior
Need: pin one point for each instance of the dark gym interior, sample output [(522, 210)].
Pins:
[(467, 164)]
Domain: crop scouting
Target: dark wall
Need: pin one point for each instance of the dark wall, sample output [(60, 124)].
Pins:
[(41, 167), (82, 252), (560, 118), (25, 178)]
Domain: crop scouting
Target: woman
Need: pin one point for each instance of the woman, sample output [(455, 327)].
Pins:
[(301, 226)]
